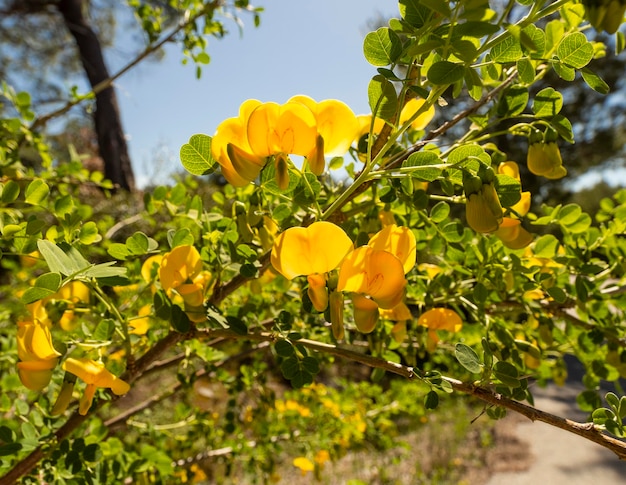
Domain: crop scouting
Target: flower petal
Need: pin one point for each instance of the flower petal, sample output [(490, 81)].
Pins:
[(399, 241), (318, 248)]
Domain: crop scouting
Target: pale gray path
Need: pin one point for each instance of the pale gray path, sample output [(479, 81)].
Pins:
[(560, 457)]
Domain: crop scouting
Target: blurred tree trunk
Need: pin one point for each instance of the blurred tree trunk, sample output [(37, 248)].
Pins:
[(108, 124)]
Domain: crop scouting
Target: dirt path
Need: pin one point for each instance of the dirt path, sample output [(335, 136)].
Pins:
[(559, 457)]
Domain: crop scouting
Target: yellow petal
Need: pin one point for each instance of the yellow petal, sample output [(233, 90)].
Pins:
[(398, 313), (479, 215), (337, 124), (36, 374), (373, 272), (513, 235), (148, 270), (399, 241), (317, 291), (247, 166), (411, 108), (318, 248), (288, 128), (509, 168), (365, 313), (523, 205), (63, 399), (335, 301), (179, 265), (94, 373), (74, 291), (315, 158), (34, 342), (441, 319), (304, 464)]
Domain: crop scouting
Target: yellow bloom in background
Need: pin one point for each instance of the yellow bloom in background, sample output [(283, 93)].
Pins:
[(386, 218), (304, 464), (440, 319), (181, 265), (232, 132), (140, 326), (399, 241), (375, 273), (411, 108), (95, 375), (430, 269), (316, 249), (364, 123)]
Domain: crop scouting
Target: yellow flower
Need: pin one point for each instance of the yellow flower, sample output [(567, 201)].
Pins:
[(513, 235), (411, 108), (316, 249), (399, 241), (34, 342), (139, 326), (336, 126), (544, 159), (440, 319), (181, 265), (375, 273), (95, 375), (483, 210), (289, 128), (304, 464), (233, 133), (150, 268)]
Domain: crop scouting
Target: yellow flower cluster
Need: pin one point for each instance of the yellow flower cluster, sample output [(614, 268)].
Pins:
[(373, 275), (270, 131), (38, 357), (510, 231)]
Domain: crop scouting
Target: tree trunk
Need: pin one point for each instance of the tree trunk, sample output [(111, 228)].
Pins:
[(108, 125)]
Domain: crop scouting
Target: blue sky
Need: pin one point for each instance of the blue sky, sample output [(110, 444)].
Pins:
[(301, 47)]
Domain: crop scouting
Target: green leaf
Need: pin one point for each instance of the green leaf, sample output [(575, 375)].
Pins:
[(445, 72), (509, 50), (564, 71), (10, 192), (60, 262), (382, 97), (179, 319), (546, 246), (575, 50), (548, 102), (138, 243), (118, 251), (104, 330), (513, 101), (36, 192), (509, 190), (557, 294), (88, 233), (425, 161), (507, 374), (196, 155), (310, 365), (594, 81), (431, 400), (182, 237), (382, 47), (284, 348), (103, 270), (468, 358), (414, 14), (526, 70), (10, 449), (439, 212), (453, 231), (237, 325), (45, 285)]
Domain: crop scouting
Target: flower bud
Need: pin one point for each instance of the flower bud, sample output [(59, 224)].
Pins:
[(336, 314), (317, 291)]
